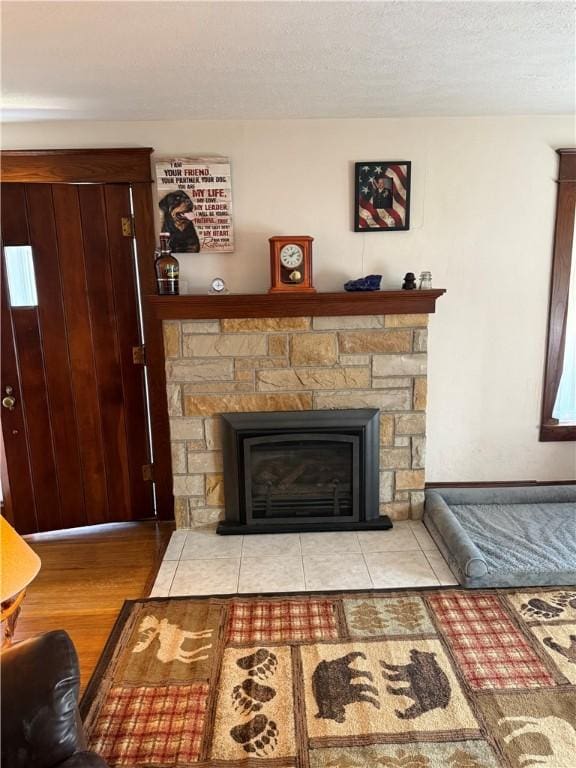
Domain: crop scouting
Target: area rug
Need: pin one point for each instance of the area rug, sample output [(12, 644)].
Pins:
[(408, 679)]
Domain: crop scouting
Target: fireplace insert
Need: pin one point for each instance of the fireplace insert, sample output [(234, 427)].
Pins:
[(301, 471)]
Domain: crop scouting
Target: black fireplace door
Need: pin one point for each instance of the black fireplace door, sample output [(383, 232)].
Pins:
[(294, 476)]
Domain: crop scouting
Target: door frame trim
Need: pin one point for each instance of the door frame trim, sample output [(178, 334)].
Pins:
[(114, 166), (77, 166)]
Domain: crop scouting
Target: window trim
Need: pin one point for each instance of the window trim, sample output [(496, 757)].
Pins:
[(550, 429)]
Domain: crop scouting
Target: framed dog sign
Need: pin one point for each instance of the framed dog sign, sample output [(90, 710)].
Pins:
[(195, 201)]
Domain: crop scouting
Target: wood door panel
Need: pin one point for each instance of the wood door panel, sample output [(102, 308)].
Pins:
[(18, 490), (55, 355), (83, 371), (105, 345), (14, 217), (38, 427), (122, 263), (77, 439)]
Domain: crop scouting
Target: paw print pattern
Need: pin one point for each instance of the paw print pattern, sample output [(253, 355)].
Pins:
[(250, 696), (566, 598), (262, 663), (541, 609), (258, 736)]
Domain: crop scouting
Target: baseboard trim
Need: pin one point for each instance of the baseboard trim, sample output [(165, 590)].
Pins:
[(486, 484)]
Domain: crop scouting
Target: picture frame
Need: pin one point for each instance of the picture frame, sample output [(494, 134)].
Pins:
[(382, 195), (195, 203)]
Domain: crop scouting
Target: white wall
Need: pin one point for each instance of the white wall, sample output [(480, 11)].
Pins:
[(483, 200)]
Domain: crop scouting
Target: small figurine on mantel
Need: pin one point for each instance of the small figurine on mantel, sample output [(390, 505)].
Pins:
[(409, 283), (368, 283)]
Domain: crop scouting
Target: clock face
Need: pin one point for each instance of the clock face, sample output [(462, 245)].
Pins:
[(218, 285), (291, 256)]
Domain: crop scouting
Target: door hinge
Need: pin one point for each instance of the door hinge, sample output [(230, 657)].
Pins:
[(147, 472), (127, 226), (139, 355)]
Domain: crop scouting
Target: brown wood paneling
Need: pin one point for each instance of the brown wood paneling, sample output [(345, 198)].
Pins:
[(567, 169), (76, 166), (37, 417), (14, 222), (557, 433), (106, 399), (294, 305), (18, 491), (122, 264), (85, 577), (83, 372), (145, 240), (106, 350), (55, 355)]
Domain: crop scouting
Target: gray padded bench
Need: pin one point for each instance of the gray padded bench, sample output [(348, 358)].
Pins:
[(505, 536)]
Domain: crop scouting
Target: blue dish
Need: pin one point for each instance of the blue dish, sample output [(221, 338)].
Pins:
[(368, 283)]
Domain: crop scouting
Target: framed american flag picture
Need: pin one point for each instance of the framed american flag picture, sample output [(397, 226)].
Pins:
[(382, 196)]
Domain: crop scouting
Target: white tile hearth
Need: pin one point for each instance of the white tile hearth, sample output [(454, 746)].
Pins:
[(272, 545), (423, 538), (216, 576), (336, 571), (176, 545), (399, 539), (164, 578), (281, 574), (394, 569), (440, 568), (204, 543), (199, 562), (329, 543)]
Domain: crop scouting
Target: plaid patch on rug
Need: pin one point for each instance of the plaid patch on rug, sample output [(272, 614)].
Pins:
[(491, 651), (437, 678), (151, 726), (271, 622)]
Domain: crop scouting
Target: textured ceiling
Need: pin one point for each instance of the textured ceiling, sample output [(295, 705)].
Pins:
[(222, 60)]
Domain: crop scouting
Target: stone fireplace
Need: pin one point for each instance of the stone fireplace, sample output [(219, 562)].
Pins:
[(304, 363)]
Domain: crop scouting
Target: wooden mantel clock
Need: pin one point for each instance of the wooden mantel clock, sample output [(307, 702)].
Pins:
[(291, 264)]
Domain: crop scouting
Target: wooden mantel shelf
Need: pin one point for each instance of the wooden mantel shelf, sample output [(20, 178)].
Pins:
[(240, 305)]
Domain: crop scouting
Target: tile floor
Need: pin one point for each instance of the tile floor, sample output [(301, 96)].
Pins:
[(199, 562)]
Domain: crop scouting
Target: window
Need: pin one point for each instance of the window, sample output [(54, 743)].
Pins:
[(20, 276), (559, 400)]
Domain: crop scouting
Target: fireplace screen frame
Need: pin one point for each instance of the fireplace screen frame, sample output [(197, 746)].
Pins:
[(358, 426), (352, 440)]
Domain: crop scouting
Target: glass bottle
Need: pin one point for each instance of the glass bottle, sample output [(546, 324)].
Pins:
[(425, 281), (167, 268)]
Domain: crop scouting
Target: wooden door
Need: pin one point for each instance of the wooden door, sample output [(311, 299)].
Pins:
[(75, 435)]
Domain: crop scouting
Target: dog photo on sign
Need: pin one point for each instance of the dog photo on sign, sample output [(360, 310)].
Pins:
[(178, 221), (195, 201)]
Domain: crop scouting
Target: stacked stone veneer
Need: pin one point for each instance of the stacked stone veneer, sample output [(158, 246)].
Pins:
[(287, 364)]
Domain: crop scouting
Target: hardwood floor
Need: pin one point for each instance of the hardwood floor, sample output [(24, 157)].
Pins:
[(86, 575)]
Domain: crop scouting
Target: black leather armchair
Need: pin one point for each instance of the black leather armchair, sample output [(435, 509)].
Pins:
[(41, 726)]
